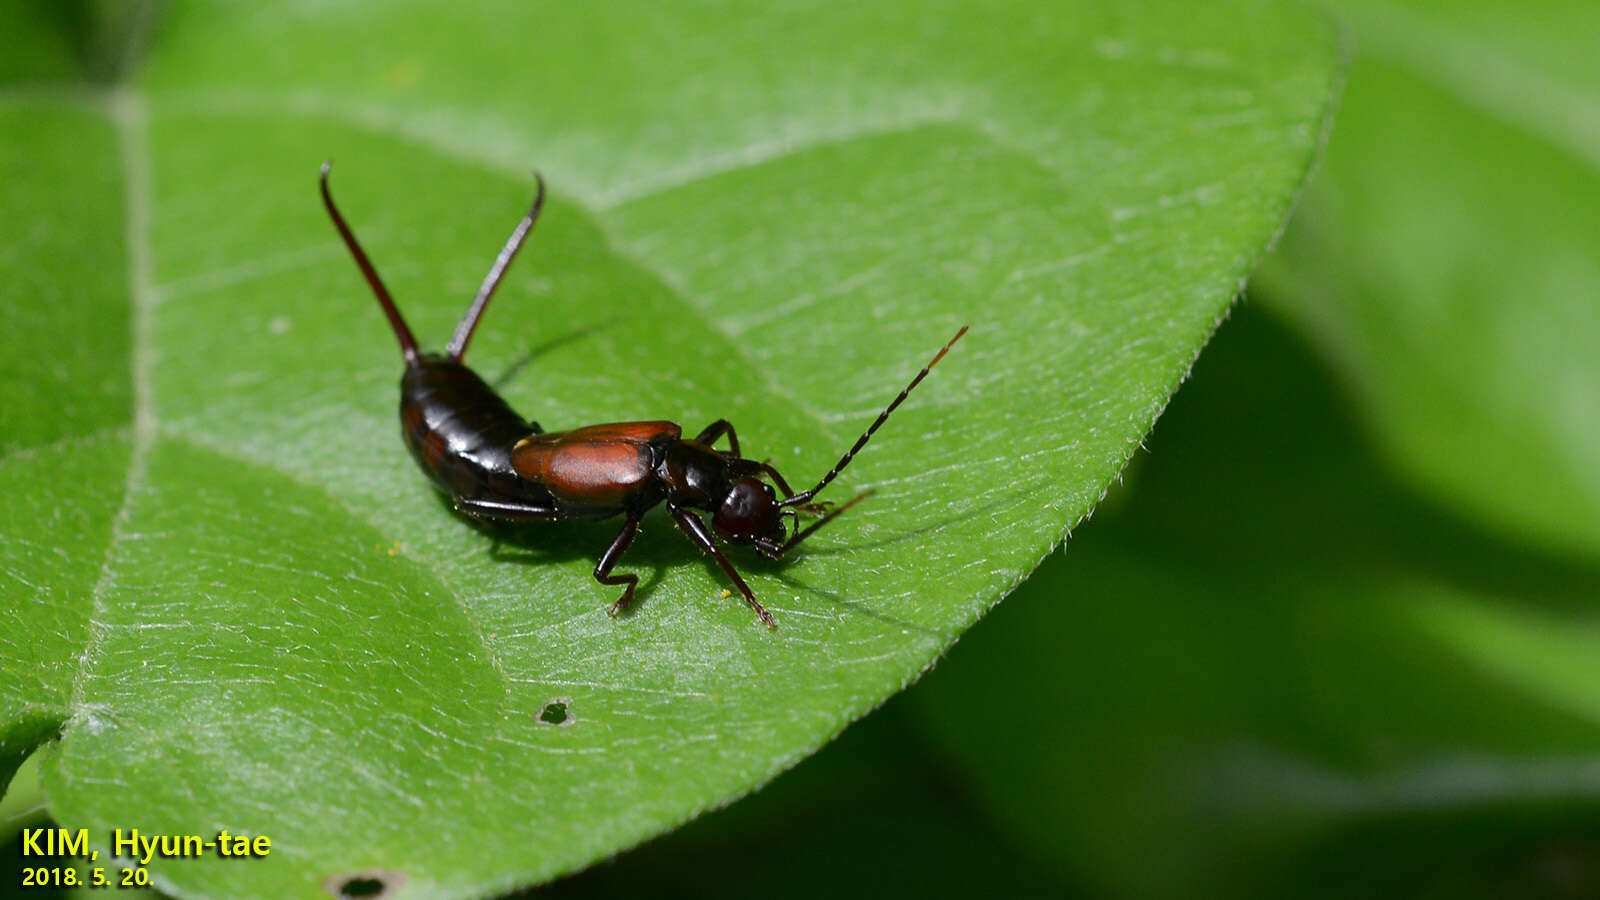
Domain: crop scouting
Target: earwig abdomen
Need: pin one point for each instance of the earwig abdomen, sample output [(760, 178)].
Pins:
[(461, 432)]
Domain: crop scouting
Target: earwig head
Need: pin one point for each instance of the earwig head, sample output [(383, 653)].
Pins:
[(749, 513)]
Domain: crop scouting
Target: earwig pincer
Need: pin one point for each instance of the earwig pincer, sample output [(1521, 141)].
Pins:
[(496, 465)]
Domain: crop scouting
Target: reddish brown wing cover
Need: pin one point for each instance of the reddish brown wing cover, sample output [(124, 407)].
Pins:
[(596, 466)]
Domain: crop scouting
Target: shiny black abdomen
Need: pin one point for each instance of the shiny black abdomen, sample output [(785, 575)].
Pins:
[(461, 433)]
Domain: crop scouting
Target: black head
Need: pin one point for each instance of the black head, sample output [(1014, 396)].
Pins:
[(749, 514)]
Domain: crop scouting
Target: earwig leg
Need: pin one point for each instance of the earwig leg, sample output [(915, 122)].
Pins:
[(740, 465), (500, 509), (751, 467), (693, 526), (602, 569), (717, 429), (791, 543)]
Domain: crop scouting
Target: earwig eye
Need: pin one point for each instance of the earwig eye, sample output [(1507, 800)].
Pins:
[(748, 512)]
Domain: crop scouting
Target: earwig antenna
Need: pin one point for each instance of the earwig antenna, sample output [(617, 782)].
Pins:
[(408, 344), (802, 534), (805, 496), (469, 322)]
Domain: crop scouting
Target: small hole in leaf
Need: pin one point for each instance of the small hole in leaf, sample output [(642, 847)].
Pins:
[(555, 713), (362, 887)]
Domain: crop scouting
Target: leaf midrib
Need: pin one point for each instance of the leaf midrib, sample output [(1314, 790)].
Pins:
[(126, 110)]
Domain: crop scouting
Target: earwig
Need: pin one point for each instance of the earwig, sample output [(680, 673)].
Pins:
[(496, 465)]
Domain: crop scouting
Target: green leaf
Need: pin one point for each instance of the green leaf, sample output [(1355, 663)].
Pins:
[(871, 815), (1280, 670), (1340, 636), (257, 616), (65, 424)]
